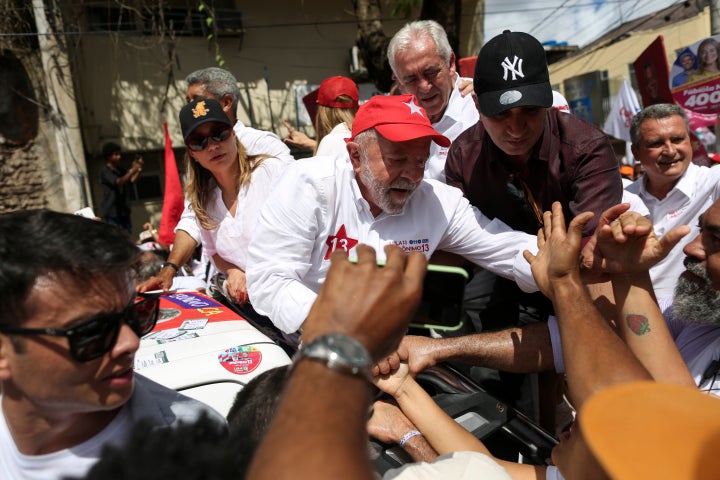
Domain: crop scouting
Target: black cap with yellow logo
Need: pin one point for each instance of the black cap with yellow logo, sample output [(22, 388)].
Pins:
[(201, 111)]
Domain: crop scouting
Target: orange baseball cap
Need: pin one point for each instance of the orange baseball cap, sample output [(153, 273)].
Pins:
[(654, 430)]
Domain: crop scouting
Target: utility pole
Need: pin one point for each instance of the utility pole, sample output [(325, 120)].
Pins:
[(63, 115), (714, 16)]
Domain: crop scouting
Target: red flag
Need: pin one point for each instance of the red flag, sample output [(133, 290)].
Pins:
[(173, 200)]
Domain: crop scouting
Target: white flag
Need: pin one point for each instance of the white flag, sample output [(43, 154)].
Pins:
[(626, 105)]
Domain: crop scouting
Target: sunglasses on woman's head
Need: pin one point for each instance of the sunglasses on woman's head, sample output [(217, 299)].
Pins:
[(198, 143), (95, 337)]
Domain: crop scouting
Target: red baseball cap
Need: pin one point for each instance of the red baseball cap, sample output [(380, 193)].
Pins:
[(331, 88), (397, 118)]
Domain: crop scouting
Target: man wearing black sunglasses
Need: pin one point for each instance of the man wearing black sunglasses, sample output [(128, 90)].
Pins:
[(68, 335)]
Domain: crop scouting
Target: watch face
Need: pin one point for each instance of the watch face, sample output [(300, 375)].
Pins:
[(347, 348), (339, 352)]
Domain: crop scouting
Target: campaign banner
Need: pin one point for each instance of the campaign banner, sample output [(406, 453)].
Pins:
[(695, 76), (651, 72), (699, 120), (585, 94)]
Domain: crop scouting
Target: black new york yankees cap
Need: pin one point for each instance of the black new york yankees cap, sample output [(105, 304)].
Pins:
[(511, 71)]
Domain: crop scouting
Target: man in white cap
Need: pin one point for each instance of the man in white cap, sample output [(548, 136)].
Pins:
[(325, 204)]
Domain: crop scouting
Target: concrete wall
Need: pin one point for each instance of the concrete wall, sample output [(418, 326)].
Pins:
[(127, 86)]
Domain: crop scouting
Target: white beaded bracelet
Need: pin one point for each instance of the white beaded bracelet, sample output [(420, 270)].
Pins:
[(408, 436)]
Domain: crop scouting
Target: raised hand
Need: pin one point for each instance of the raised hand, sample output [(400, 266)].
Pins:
[(558, 249), (625, 242), (373, 304), (296, 138)]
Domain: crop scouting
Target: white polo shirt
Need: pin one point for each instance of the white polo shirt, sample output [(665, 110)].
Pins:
[(317, 208), (460, 114), (696, 190)]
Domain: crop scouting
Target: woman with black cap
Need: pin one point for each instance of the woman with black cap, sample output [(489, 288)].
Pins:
[(226, 189)]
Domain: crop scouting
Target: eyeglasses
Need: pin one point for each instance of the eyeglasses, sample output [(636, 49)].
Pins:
[(197, 143), (95, 337), (523, 194)]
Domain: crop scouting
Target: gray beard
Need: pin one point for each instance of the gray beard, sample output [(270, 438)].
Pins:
[(380, 193), (696, 302)]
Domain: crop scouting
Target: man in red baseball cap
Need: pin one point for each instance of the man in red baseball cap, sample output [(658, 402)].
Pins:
[(377, 196)]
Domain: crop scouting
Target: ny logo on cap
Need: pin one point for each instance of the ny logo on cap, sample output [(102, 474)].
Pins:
[(509, 66), (200, 110), (414, 107)]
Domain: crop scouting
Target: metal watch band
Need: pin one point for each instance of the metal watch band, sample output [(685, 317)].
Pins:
[(338, 352)]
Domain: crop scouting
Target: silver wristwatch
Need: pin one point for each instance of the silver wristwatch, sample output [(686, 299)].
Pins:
[(338, 352)]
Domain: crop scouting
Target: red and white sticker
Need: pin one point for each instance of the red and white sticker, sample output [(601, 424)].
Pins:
[(240, 360)]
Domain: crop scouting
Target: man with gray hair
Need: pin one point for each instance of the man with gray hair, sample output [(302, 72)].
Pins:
[(216, 84), (675, 190), (423, 65)]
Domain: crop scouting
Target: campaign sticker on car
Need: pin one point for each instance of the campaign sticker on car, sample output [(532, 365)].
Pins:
[(150, 360), (194, 324), (164, 335), (240, 360), (191, 300)]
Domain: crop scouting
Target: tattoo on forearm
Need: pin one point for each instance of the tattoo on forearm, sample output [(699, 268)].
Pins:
[(638, 324)]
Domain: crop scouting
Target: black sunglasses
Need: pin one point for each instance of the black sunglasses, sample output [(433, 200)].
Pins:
[(95, 337), (197, 143)]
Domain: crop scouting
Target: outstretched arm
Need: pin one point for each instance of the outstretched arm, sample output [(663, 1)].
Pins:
[(595, 357), (630, 240), (388, 424), (322, 407), (519, 349), (183, 248), (644, 330), (441, 431)]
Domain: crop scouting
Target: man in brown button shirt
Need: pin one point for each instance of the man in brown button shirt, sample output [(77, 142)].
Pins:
[(520, 158)]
